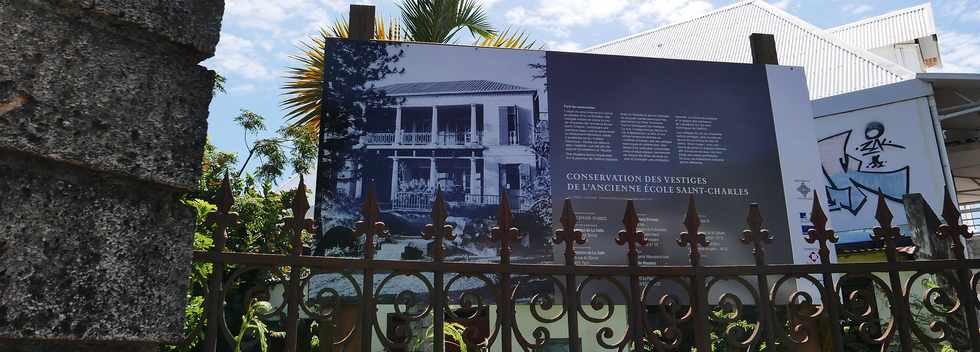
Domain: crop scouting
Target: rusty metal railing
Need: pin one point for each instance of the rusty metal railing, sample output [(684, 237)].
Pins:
[(824, 322)]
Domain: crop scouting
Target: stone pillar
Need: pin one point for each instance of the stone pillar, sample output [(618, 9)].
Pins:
[(398, 125), (473, 130), (474, 188), (924, 223), (435, 125), (103, 118)]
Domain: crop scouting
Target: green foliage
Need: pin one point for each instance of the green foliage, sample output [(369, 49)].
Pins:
[(219, 83), (295, 146), (252, 324), (453, 333), (261, 210)]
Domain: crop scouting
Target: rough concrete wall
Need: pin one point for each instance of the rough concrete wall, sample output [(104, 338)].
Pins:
[(103, 117)]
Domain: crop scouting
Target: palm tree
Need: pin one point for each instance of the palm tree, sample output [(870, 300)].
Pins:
[(433, 21)]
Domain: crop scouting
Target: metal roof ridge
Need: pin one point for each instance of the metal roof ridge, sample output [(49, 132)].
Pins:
[(642, 33), (818, 32), (925, 6), (884, 64)]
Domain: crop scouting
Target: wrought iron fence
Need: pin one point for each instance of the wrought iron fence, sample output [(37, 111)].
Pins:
[(825, 318)]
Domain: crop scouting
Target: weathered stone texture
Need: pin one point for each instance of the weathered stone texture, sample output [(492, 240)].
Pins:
[(194, 23), (84, 256), (75, 346), (103, 116), (100, 97)]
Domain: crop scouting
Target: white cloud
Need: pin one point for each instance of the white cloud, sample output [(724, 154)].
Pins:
[(974, 16), (563, 45), (487, 4), (560, 16), (663, 12), (783, 4), (279, 17), (960, 51), (857, 9), (243, 88), (238, 56), (959, 10)]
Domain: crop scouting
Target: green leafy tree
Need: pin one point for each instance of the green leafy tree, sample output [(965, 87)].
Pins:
[(261, 210)]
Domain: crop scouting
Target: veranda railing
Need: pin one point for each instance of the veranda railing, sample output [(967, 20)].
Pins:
[(952, 308)]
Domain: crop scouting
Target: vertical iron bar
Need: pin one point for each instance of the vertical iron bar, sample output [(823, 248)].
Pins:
[(570, 236), (758, 236), (368, 308), (215, 306), (292, 312), (889, 234), (699, 298), (820, 234), (295, 227), (326, 335), (438, 231), (439, 312), (505, 233), (222, 218), (957, 233), (632, 238), (369, 226)]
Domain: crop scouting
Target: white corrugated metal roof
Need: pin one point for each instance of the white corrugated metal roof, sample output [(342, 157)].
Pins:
[(899, 26), (832, 67)]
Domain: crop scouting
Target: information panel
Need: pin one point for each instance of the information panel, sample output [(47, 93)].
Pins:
[(482, 125), (657, 131)]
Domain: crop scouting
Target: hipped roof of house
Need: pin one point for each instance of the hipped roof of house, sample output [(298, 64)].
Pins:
[(452, 87)]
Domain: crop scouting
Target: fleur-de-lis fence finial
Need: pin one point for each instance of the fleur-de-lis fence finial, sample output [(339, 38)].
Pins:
[(568, 234), (504, 232), (755, 234), (223, 216), (438, 231), (370, 224), (629, 235), (952, 229), (693, 238), (296, 224), (885, 231), (820, 233)]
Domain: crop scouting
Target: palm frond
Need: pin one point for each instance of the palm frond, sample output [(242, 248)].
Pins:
[(303, 87), (438, 21), (508, 39)]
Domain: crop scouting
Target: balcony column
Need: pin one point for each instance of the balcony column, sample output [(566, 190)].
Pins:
[(435, 124), (473, 124), (432, 173), (359, 187), (398, 125), (474, 187), (394, 177)]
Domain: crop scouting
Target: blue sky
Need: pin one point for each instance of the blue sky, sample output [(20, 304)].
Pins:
[(259, 36)]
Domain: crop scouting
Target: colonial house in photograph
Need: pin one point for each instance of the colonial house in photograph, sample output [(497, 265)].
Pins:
[(471, 139)]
